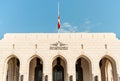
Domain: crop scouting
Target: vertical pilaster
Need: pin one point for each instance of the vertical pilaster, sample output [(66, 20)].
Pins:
[(118, 68), (71, 71), (23, 71), (1, 71), (47, 70), (4, 69), (96, 70)]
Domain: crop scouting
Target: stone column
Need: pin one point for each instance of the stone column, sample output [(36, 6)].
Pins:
[(47, 70), (1, 71), (118, 71), (96, 70), (71, 71), (118, 68), (23, 71)]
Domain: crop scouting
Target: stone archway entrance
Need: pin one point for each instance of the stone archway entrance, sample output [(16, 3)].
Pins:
[(13, 69), (108, 69), (79, 71), (59, 70), (36, 69), (83, 69)]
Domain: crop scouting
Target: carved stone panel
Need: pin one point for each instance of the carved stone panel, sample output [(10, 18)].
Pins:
[(58, 46)]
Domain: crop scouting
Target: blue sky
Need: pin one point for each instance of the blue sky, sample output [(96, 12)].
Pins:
[(40, 16)]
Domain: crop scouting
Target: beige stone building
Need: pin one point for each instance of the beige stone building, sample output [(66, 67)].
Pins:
[(60, 57)]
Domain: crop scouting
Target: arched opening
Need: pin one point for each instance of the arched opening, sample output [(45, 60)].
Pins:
[(59, 70), (83, 70), (79, 71), (13, 69), (36, 69), (108, 69)]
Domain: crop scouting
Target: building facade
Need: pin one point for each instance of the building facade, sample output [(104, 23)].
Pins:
[(60, 57)]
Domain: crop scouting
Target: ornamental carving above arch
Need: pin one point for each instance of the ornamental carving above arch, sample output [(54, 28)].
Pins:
[(58, 46)]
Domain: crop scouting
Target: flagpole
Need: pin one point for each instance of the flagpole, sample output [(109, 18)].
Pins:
[(58, 19), (58, 30), (58, 13), (58, 16), (58, 8)]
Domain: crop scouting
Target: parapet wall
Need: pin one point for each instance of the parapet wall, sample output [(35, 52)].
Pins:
[(53, 36)]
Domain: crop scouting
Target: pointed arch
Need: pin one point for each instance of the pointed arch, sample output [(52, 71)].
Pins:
[(108, 68), (12, 65), (59, 66), (35, 68), (34, 56), (110, 58), (85, 57), (62, 57), (83, 69), (9, 57)]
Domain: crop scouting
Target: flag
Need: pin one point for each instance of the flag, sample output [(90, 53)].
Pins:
[(58, 22)]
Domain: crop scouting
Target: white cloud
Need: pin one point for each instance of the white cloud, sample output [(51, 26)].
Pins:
[(68, 28), (88, 25), (67, 25)]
